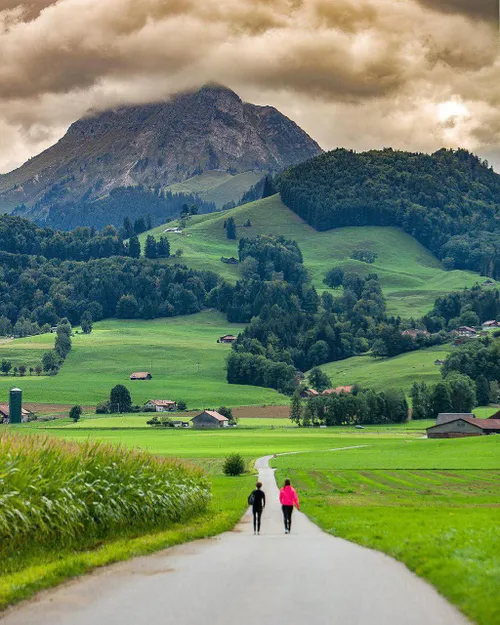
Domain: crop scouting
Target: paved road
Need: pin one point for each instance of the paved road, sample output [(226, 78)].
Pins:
[(305, 578)]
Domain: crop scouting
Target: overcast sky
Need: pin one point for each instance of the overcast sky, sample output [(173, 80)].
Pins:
[(412, 74)]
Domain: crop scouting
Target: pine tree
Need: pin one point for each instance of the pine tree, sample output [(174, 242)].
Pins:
[(295, 408), (163, 248), (482, 390), (231, 228), (150, 249), (134, 247), (128, 230)]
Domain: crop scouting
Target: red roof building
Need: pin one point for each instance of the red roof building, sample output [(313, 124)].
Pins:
[(141, 375)]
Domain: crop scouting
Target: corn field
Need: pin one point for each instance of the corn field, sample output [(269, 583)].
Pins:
[(59, 494)]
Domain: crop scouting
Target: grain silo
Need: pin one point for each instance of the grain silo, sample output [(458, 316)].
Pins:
[(15, 405)]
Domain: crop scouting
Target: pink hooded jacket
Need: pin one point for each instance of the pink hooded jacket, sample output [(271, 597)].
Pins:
[(288, 496)]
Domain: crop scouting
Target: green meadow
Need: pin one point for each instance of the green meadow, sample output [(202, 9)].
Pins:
[(411, 276), (383, 373), (432, 504), (182, 354)]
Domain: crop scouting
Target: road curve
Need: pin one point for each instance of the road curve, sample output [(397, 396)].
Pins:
[(307, 577)]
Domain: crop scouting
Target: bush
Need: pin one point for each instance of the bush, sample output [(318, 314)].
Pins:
[(181, 405), (102, 408), (234, 465)]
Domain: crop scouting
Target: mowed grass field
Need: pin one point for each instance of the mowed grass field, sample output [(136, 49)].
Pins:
[(432, 504), (412, 277), (381, 374), (182, 354)]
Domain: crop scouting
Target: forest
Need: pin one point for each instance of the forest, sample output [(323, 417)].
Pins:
[(54, 211), (449, 200)]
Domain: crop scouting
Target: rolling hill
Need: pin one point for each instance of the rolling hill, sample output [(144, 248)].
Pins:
[(411, 276)]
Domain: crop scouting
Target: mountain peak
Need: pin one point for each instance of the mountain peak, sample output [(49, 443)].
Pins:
[(157, 145)]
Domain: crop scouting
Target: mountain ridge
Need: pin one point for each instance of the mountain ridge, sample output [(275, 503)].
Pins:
[(157, 145)]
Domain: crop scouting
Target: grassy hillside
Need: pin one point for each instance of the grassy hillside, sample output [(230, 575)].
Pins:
[(398, 372), (411, 276), (219, 187), (182, 354)]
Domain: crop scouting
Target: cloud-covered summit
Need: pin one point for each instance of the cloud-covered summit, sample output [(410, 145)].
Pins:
[(360, 73)]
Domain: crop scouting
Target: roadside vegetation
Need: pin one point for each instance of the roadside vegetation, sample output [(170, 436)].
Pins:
[(433, 505), (67, 508)]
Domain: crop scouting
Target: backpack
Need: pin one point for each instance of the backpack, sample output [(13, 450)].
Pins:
[(251, 498)]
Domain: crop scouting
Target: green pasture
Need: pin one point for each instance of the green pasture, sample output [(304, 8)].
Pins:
[(383, 373), (412, 278), (414, 501), (182, 354), (219, 187)]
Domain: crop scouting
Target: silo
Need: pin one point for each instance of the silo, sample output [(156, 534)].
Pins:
[(15, 405)]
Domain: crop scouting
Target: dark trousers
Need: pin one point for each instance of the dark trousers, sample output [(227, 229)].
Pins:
[(257, 513), (287, 516)]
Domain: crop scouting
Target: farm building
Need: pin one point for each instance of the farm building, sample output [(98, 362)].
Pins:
[(5, 414), (414, 332), (141, 375), (491, 324), (210, 419), (228, 338), (466, 331), (338, 390), (464, 426), (161, 405), (446, 417), (309, 392), (439, 362)]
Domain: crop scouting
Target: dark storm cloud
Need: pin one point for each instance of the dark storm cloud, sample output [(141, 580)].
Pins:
[(479, 9)]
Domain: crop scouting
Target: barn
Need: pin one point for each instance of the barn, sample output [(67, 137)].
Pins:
[(227, 338), (141, 375), (464, 426), (5, 414), (210, 419)]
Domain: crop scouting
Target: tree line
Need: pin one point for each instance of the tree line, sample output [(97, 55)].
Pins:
[(448, 200)]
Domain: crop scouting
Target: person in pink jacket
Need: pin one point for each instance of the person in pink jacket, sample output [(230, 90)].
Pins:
[(288, 499)]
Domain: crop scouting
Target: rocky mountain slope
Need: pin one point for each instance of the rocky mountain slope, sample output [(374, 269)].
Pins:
[(156, 146)]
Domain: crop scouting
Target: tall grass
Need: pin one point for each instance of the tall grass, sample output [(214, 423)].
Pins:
[(55, 493)]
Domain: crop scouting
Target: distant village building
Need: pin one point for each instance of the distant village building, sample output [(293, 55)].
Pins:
[(464, 426), (439, 362), (466, 331), (161, 405), (338, 390), (5, 414), (173, 230), (210, 419), (308, 392), (414, 332), (491, 324), (227, 338), (141, 375), (229, 261), (488, 282)]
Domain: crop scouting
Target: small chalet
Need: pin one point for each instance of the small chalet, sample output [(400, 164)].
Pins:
[(229, 261), (464, 426), (466, 331), (210, 419), (141, 375), (227, 338), (161, 405), (5, 414), (491, 324), (414, 332), (308, 392), (439, 362), (488, 282), (338, 390)]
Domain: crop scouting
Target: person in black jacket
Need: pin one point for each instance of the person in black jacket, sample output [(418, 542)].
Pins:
[(258, 505)]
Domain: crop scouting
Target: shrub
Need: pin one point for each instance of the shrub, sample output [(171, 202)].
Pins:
[(181, 405), (102, 408), (234, 465)]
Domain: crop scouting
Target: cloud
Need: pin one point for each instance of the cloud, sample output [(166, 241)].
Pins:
[(341, 63), (481, 9)]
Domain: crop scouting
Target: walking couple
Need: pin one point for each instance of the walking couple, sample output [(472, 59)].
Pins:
[(288, 499)]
